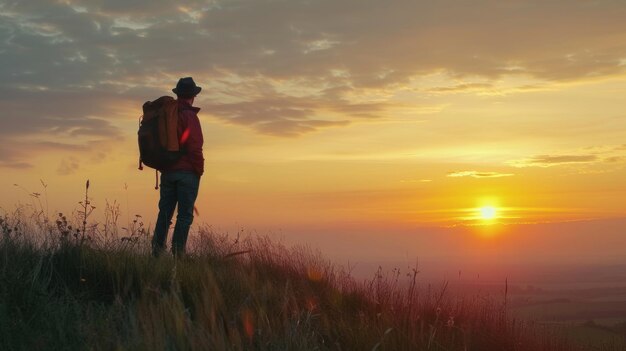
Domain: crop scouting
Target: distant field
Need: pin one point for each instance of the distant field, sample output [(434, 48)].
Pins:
[(595, 337), (589, 317), (575, 311)]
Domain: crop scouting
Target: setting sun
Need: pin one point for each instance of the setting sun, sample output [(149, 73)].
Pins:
[(488, 212)]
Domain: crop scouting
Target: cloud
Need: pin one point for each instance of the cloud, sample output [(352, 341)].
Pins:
[(587, 156), (68, 166), (615, 159), (11, 157), (476, 174), (71, 68), (553, 160), (488, 89), (60, 113), (20, 153), (459, 88), (293, 128), (283, 115), (88, 42), (15, 164)]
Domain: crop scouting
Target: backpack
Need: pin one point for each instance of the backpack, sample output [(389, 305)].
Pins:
[(158, 134)]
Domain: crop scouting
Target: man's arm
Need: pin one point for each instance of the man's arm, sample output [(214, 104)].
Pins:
[(192, 140)]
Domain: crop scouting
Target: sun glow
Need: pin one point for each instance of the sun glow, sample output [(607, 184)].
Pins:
[(488, 212)]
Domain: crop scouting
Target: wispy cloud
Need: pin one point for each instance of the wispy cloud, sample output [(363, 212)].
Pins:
[(459, 88), (20, 153), (477, 174), (283, 115), (15, 164), (11, 157), (68, 165), (615, 159), (553, 160), (590, 155)]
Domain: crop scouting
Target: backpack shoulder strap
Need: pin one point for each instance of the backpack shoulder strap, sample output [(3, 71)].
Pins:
[(170, 110)]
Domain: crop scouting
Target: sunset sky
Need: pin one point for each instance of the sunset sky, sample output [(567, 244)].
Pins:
[(370, 129)]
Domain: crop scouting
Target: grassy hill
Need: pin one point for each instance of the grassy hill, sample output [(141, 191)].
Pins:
[(89, 288)]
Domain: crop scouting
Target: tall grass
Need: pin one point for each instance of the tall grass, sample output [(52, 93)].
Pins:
[(62, 288)]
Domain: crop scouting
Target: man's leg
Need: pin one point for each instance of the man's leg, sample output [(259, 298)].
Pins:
[(167, 203), (187, 192)]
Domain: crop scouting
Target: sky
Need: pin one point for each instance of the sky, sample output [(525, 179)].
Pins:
[(370, 129)]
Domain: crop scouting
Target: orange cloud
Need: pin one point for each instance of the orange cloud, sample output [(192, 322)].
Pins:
[(590, 155), (476, 174), (553, 160)]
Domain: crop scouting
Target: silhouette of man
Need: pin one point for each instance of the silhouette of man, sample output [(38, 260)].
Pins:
[(180, 181)]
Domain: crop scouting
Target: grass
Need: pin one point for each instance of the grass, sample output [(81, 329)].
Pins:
[(89, 288)]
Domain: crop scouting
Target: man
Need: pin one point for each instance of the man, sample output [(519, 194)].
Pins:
[(180, 181)]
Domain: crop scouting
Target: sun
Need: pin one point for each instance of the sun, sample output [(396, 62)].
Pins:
[(488, 212)]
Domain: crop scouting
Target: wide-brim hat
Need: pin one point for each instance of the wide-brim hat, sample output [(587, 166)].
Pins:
[(186, 87)]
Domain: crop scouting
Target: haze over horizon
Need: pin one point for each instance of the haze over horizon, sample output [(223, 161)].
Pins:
[(483, 131)]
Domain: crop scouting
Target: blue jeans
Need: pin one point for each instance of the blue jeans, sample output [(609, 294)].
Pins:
[(177, 188)]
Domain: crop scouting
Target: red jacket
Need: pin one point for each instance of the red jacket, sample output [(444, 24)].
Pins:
[(190, 140)]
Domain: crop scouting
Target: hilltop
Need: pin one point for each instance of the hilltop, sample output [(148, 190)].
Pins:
[(88, 288)]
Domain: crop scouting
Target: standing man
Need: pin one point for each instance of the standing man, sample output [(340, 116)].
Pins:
[(181, 180)]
